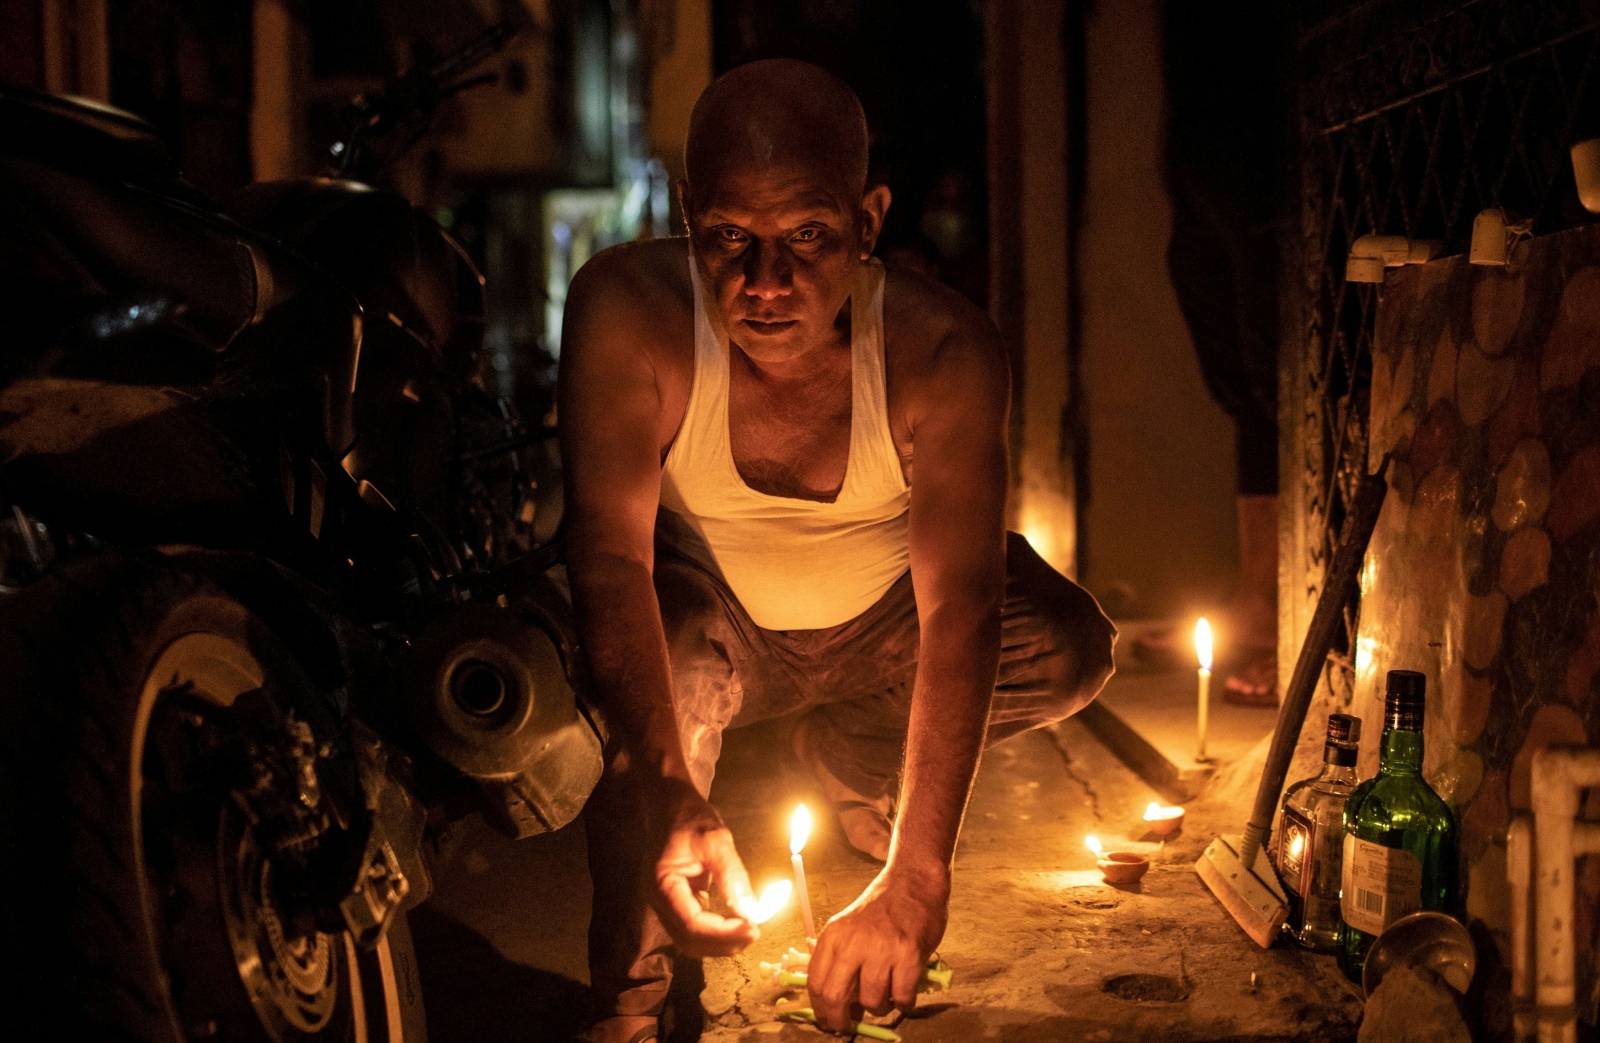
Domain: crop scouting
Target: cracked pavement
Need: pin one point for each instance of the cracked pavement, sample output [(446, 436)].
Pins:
[(1041, 948)]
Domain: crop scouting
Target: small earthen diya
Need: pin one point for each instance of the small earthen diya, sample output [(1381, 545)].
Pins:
[(1162, 820), (1117, 867)]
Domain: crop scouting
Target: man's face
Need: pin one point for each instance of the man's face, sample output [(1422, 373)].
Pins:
[(779, 248)]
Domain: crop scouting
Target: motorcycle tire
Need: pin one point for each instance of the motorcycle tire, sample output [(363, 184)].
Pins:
[(140, 908)]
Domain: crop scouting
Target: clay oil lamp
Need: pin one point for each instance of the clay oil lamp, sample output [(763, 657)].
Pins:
[(1163, 820), (1117, 867)]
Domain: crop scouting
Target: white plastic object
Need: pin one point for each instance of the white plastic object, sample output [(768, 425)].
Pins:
[(1519, 874), (1371, 254), (1494, 234), (1560, 774), (1586, 173)]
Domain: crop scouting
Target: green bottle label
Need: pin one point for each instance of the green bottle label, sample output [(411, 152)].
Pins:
[(1379, 886)]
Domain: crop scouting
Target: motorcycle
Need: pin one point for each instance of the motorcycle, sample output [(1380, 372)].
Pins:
[(272, 613)]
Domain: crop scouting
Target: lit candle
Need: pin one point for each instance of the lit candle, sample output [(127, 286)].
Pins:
[(1202, 649), (799, 833), (1092, 842), (773, 898)]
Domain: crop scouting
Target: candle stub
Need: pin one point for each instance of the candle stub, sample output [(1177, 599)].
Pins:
[(1202, 651)]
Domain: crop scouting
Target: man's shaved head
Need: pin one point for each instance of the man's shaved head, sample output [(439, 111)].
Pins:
[(778, 113), (777, 207)]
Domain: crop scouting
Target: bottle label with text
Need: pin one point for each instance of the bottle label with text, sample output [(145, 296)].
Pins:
[(1380, 884), (1296, 839)]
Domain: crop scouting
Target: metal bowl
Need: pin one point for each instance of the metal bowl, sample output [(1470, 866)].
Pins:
[(1433, 941)]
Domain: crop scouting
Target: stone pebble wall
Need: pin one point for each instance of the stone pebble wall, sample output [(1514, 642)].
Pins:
[(1484, 571)]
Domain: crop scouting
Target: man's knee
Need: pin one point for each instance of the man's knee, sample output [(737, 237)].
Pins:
[(692, 611), (1078, 639), (1079, 647)]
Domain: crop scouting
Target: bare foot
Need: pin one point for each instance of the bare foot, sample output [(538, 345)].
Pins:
[(868, 822)]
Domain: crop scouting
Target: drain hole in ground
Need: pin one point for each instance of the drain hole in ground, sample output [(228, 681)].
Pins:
[(1146, 988)]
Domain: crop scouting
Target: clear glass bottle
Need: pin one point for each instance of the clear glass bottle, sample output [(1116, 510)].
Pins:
[(1400, 846), (1310, 838)]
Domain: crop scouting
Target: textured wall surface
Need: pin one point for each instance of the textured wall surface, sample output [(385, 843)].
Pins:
[(1484, 572), (1158, 520)]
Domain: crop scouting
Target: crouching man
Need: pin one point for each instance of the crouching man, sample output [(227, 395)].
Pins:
[(786, 478)]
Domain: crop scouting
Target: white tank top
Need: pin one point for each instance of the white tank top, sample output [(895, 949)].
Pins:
[(794, 564)]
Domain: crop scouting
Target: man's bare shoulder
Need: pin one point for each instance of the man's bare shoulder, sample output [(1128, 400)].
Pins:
[(936, 340), (641, 290)]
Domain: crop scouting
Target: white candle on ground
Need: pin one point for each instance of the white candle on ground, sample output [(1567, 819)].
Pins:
[(1202, 647), (799, 833)]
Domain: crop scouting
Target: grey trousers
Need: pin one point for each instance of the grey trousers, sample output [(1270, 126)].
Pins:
[(853, 684)]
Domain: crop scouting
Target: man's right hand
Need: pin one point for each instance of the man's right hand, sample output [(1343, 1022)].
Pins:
[(697, 855)]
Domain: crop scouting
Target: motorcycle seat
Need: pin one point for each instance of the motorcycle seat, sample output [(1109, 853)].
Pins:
[(86, 136)]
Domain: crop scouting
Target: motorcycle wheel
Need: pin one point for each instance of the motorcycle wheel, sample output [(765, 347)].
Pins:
[(142, 900)]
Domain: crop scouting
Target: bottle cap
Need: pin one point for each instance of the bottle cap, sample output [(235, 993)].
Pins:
[(1344, 727), (1404, 699)]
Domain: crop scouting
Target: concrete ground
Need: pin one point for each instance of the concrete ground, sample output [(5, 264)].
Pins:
[(1041, 948), (1149, 718)]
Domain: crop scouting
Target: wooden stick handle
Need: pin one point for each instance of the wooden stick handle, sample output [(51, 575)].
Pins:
[(1338, 585)]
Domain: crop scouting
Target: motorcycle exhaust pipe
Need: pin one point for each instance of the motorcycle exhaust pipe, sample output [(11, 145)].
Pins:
[(492, 698)]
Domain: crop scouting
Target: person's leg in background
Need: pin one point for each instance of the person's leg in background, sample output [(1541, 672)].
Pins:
[(1227, 171), (1224, 276)]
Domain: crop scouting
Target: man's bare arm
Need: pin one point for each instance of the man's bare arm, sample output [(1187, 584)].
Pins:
[(610, 411), (611, 415), (873, 953), (958, 567)]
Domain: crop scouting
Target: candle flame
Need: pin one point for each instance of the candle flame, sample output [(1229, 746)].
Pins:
[(773, 898), (1152, 811), (1092, 842), (799, 828), (1297, 845), (1202, 642)]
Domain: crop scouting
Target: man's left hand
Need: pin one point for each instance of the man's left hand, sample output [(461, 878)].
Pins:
[(871, 955)]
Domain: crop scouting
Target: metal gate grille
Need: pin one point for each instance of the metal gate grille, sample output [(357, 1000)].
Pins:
[(1413, 118)]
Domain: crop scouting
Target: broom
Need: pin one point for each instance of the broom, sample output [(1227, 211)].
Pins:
[(1238, 871)]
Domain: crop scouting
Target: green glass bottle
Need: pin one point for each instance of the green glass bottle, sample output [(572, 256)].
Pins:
[(1400, 837)]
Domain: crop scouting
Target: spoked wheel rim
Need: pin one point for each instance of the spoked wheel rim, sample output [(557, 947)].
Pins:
[(238, 966)]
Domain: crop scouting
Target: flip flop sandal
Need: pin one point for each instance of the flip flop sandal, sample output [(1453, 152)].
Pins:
[(1253, 684)]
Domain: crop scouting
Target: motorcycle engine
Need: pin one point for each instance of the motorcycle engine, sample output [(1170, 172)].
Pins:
[(494, 699)]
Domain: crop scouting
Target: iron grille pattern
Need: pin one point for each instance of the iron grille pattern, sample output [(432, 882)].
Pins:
[(1413, 117)]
